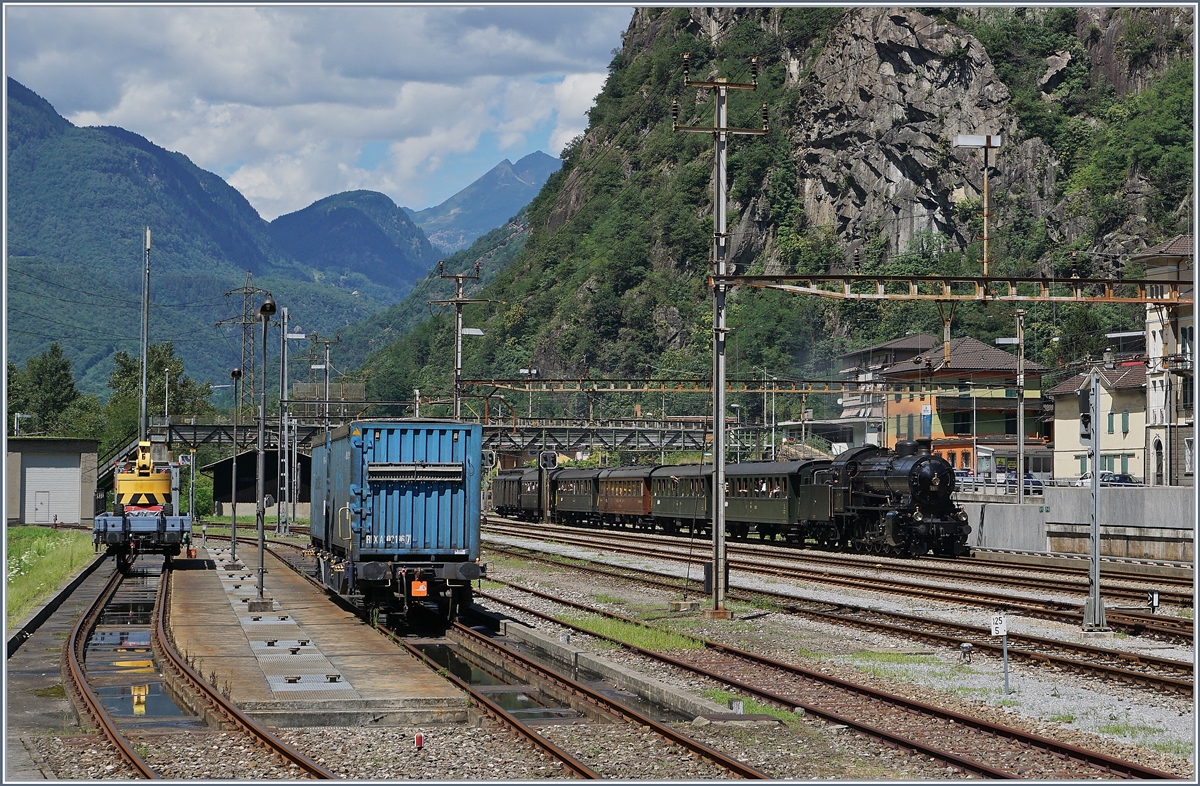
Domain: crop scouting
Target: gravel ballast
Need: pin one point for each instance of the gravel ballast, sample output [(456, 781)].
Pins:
[(1149, 727)]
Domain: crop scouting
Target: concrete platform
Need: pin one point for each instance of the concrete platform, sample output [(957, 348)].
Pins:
[(306, 662)]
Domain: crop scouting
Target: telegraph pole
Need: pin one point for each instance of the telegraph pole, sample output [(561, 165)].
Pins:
[(1089, 432), (1020, 405), (720, 131), (458, 301), (248, 319), (143, 415)]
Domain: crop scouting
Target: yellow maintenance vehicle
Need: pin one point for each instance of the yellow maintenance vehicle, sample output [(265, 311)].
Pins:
[(143, 518)]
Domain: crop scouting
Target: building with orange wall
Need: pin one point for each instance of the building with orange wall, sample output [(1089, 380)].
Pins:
[(970, 408)]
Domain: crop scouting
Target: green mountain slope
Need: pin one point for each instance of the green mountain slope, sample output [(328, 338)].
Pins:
[(857, 172), (487, 203), (357, 232), (491, 253), (78, 199)]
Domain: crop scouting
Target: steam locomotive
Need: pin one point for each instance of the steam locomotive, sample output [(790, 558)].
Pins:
[(868, 499)]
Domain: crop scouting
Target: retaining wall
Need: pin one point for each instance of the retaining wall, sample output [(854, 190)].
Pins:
[(1147, 522)]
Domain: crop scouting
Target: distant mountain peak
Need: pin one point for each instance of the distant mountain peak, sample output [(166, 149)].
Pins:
[(487, 203)]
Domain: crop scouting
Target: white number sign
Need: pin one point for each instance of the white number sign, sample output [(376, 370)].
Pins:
[(999, 625)]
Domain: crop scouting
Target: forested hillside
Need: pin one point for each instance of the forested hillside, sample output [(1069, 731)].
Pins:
[(78, 199), (858, 172)]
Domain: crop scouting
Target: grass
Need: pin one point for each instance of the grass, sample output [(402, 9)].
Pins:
[(53, 692), (1064, 718), (1186, 613), (612, 599), (752, 706), (251, 519), (1008, 703), (893, 658), (1174, 747), (1127, 729), (652, 639), (40, 560)]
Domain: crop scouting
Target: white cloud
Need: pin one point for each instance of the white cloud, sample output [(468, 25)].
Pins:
[(573, 97), (283, 100)]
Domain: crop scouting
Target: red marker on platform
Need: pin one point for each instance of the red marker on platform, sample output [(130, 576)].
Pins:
[(419, 740)]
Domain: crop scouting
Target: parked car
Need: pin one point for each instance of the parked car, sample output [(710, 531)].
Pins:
[(964, 479), (1032, 484), (1110, 479)]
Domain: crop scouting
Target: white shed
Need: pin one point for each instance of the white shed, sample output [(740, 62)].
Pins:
[(50, 479)]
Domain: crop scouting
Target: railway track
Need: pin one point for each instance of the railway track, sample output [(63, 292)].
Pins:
[(595, 699), (1163, 674), (571, 766), (1176, 591), (580, 693), (75, 652), (974, 746), (610, 541)]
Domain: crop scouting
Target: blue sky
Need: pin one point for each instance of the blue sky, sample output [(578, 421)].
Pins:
[(293, 103)]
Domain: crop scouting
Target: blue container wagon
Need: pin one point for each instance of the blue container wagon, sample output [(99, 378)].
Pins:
[(395, 514)]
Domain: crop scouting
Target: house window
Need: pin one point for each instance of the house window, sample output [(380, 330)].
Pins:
[(1110, 422), (962, 422), (952, 457), (1186, 335), (1082, 463), (1124, 423), (1188, 456), (910, 426), (1010, 423), (1107, 462), (1125, 463), (1188, 392)]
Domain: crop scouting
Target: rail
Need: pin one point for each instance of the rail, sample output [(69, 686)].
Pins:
[(1053, 747), (495, 711), (594, 697), (75, 654), (161, 641)]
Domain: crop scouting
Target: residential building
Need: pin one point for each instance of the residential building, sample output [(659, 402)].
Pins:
[(861, 419), (1121, 421), (1170, 458), (972, 417)]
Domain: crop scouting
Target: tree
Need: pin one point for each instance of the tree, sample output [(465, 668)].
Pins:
[(18, 395), (45, 388), (186, 396)]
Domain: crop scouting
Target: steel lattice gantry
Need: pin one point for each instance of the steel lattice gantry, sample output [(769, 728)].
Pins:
[(958, 289), (571, 436)]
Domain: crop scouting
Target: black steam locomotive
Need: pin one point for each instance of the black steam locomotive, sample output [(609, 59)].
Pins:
[(868, 499)]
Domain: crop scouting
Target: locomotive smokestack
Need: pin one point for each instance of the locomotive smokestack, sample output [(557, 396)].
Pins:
[(905, 447), (924, 447)]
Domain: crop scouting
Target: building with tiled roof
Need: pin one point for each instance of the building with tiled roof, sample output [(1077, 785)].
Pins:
[(1170, 456), (861, 419), (972, 417), (1121, 421)]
